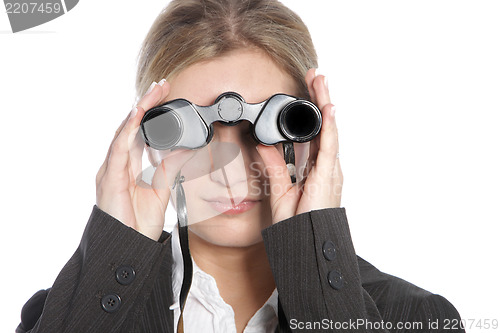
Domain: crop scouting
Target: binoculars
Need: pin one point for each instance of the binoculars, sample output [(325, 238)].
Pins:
[(182, 124)]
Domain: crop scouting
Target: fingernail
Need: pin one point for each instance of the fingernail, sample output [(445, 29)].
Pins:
[(326, 82), (151, 87), (134, 112), (162, 82)]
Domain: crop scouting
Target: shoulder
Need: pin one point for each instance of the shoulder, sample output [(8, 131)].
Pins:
[(401, 301)]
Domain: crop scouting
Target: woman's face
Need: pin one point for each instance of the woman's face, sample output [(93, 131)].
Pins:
[(230, 206)]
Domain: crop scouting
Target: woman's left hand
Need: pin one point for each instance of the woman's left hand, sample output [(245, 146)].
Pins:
[(323, 185)]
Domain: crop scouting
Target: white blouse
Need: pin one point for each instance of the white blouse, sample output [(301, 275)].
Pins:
[(205, 310)]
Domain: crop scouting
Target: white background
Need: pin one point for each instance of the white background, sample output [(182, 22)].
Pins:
[(416, 86)]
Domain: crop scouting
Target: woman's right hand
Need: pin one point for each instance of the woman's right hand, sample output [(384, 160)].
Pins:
[(119, 192)]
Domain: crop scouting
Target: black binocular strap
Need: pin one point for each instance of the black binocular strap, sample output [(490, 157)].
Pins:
[(188, 274), (289, 156), (184, 242)]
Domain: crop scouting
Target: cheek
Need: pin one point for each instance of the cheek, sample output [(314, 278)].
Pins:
[(197, 208)]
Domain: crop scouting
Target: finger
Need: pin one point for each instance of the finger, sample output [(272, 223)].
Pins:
[(120, 157), (338, 182), (320, 88), (160, 184), (135, 157), (328, 144), (155, 95), (311, 158), (166, 172), (275, 167), (104, 165), (119, 151), (151, 96), (310, 75), (165, 90), (137, 144)]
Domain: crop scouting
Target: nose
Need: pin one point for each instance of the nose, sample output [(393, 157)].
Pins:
[(231, 155)]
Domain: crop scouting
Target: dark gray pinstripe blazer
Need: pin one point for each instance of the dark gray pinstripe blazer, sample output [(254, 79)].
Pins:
[(300, 269)]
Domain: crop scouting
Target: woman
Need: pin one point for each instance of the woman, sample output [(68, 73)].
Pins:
[(279, 258)]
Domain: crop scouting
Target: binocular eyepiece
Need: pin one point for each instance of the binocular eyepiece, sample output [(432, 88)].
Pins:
[(299, 121), (182, 124)]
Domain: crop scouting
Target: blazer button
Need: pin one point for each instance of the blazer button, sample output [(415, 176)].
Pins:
[(335, 280), (329, 251), (125, 275), (111, 303)]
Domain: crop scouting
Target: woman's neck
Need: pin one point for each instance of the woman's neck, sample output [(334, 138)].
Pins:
[(243, 275)]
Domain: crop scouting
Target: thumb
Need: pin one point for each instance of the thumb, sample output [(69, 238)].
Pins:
[(160, 183), (166, 172), (279, 178)]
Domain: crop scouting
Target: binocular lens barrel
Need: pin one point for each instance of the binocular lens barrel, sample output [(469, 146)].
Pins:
[(163, 127), (300, 121)]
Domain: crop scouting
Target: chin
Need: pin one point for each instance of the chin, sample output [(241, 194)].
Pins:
[(231, 231)]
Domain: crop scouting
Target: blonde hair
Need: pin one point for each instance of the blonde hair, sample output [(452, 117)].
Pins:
[(190, 31)]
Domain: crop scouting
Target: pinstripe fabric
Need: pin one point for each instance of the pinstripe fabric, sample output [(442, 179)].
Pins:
[(73, 302), (155, 316), (300, 270)]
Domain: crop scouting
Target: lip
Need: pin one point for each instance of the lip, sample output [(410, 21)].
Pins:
[(226, 206)]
